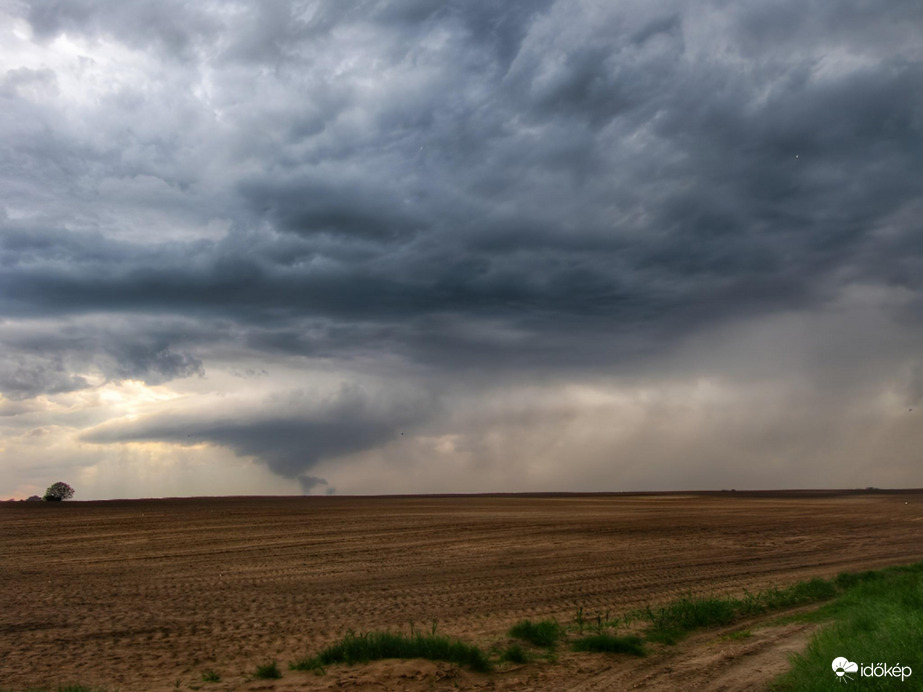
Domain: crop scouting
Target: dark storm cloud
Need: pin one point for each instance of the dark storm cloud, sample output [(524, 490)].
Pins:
[(23, 376), (469, 185), (54, 358), (350, 208)]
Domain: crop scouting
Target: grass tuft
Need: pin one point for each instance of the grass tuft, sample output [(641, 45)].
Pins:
[(660, 635), (545, 633), (373, 646), (610, 644), (847, 580), (514, 654), (210, 676), (693, 612), (268, 671)]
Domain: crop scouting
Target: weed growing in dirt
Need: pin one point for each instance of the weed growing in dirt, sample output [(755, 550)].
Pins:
[(545, 633), (610, 644), (268, 671), (579, 620), (692, 612), (514, 654), (600, 623), (878, 619), (210, 676), (373, 646)]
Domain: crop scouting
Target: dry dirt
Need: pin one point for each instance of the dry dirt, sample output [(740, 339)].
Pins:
[(145, 595)]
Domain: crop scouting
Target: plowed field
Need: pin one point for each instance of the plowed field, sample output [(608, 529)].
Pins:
[(147, 594)]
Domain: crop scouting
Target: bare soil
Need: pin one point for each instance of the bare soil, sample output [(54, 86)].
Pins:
[(146, 595)]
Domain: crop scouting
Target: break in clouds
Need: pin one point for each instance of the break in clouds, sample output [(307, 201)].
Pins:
[(419, 246)]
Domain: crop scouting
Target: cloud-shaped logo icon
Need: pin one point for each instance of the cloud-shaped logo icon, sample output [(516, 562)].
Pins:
[(841, 666)]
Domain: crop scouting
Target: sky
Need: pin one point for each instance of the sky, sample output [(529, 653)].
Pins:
[(420, 246)]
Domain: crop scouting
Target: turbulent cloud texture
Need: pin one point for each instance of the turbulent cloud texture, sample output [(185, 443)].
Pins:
[(352, 220)]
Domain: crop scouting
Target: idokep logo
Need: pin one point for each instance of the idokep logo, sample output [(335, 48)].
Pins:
[(843, 666)]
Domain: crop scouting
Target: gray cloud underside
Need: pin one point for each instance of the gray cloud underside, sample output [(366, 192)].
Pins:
[(291, 434), (464, 185), (54, 357)]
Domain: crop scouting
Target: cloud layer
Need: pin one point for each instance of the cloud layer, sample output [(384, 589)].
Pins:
[(449, 203)]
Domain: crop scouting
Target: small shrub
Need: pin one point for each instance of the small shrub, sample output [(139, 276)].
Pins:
[(610, 644), (544, 633), (268, 671), (210, 676)]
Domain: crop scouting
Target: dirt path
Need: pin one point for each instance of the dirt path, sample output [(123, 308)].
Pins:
[(145, 595), (708, 661)]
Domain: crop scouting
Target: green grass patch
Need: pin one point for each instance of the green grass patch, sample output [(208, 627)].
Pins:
[(659, 635), (877, 620), (268, 671), (798, 594), (514, 654), (847, 580), (610, 644), (672, 622), (545, 633), (373, 646)]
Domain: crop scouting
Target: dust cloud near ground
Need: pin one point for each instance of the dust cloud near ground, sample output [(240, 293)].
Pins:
[(147, 595)]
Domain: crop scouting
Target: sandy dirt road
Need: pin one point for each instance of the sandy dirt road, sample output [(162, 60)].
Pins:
[(145, 595)]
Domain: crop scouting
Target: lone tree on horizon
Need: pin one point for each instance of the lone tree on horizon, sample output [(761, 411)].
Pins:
[(59, 491)]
